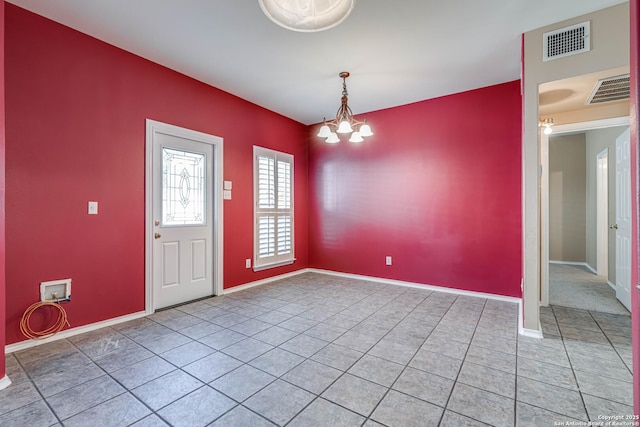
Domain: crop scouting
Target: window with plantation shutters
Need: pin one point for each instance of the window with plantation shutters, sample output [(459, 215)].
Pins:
[(273, 198)]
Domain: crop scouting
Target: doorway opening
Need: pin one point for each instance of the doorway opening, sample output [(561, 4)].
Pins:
[(579, 258)]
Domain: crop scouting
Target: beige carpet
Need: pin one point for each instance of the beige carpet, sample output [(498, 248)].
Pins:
[(576, 286)]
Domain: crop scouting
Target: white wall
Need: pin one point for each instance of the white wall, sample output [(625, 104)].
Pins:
[(567, 198)]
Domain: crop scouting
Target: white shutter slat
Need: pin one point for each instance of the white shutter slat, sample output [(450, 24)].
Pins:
[(284, 234), (266, 236), (266, 182), (273, 197), (284, 185)]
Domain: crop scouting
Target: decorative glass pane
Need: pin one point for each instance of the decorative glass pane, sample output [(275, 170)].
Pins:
[(183, 187)]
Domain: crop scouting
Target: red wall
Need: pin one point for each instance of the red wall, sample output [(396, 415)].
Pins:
[(438, 188), (75, 131), (2, 194), (634, 13)]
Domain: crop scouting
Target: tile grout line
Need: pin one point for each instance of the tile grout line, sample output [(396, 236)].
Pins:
[(366, 418), (573, 371), (37, 390), (314, 302), (455, 382), (609, 341)]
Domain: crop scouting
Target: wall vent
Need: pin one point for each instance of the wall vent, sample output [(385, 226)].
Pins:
[(566, 41), (611, 89)]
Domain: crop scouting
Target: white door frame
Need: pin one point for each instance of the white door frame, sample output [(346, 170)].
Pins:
[(544, 190), (153, 127), (602, 212)]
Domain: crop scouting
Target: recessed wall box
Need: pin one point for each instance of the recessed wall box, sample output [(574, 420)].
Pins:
[(55, 290)]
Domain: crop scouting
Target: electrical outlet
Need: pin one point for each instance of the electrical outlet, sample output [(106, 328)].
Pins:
[(388, 260), (247, 263)]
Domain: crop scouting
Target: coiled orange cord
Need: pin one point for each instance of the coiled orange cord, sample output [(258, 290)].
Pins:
[(51, 330)]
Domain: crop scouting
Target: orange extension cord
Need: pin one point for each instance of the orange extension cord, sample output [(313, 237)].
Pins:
[(61, 321)]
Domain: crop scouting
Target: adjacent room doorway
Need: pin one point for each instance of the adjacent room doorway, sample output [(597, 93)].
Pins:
[(603, 161)]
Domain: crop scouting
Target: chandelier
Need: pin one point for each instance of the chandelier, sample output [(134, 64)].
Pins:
[(344, 121), (307, 15), (546, 124)]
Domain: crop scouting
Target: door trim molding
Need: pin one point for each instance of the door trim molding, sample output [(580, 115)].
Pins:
[(602, 214), (152, 128), (544, 191)]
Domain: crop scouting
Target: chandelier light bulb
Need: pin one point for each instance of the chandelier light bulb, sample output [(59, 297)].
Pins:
[(546, 124)]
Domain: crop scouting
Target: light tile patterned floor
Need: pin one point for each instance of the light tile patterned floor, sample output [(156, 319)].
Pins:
[(317, 350)]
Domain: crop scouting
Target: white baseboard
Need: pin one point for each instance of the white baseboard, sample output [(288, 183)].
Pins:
[(532, 333), (526, 332), (263, 281), (22, 345), (93, 326), (582, 264), (611, 285), (4, 382), (418, 285)]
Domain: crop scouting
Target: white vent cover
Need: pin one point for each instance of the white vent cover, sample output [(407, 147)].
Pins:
[(566, 41), (611, 89)]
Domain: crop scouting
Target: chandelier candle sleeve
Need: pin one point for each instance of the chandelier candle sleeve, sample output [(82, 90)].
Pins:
[(344, 121)]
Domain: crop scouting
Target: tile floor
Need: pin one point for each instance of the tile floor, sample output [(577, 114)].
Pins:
[(318, 350)]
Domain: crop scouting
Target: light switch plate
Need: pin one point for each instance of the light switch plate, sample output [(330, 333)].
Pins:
[(93, 208), (226, 194), (388, 260), (228, 185)]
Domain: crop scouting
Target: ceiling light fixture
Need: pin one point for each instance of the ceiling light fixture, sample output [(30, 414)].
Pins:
[(307, 15), (344, 121), (546, 124)]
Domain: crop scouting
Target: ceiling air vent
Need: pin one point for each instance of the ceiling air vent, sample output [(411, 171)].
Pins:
[(611, 89), (566, 41)]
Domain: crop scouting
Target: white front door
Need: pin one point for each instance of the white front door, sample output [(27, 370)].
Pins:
[(182, 228), (623, 219)]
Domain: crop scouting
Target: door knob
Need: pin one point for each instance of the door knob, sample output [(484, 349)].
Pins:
[(614, 226), (157, 235)]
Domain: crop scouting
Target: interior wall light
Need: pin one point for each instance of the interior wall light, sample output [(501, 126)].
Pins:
[(344, 121), (307, 15), (546, 124)]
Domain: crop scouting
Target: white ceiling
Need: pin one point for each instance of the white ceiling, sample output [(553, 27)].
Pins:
[(398, 51)]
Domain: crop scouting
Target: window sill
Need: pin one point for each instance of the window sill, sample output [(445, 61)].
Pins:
[(272, 265)]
